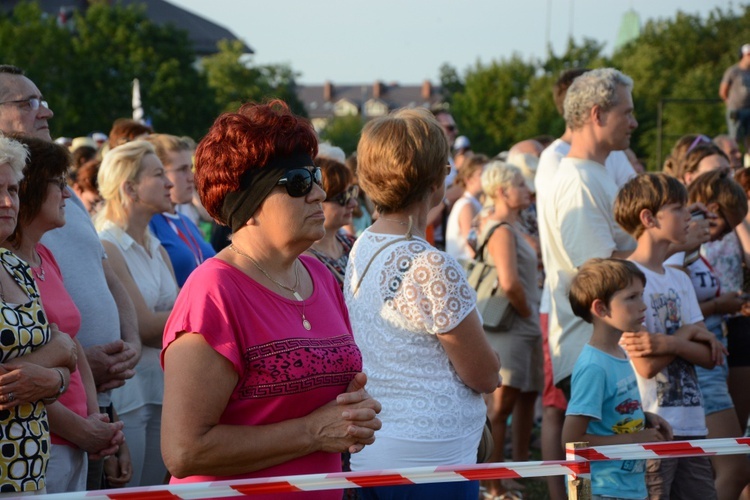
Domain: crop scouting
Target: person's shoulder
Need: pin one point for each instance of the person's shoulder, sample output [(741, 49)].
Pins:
[(591, 362)]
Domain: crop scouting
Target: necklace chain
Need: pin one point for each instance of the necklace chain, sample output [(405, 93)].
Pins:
[(409, 225), (39, 274), (292, 290)]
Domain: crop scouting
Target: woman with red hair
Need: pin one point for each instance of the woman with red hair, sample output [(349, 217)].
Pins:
[(262, 375)]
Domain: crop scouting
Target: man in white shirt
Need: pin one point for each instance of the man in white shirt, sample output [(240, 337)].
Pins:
[(576, 221)]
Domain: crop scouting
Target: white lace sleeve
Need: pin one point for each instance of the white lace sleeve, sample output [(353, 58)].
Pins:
[(425, 289)]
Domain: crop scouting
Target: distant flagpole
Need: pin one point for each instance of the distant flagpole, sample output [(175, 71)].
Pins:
[(137, 105)]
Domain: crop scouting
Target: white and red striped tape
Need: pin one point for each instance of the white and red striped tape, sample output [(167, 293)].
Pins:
[(421, 475)]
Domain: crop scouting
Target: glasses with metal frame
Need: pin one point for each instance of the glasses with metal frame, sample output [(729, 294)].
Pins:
[(299, 181), (345, 197), (32, 103)]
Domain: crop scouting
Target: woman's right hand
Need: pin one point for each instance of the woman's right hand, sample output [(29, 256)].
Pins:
[(349, 423)]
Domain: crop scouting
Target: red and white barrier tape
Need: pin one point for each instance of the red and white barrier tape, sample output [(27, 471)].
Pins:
[(421, 475), (665, 449)]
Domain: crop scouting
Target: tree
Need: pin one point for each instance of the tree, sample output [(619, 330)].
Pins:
[(450, 82), (235, 81), (507, 101), (86, 72), (344, 132)]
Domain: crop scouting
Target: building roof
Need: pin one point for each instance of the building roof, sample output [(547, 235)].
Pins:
[(203, 33), (320, 100)]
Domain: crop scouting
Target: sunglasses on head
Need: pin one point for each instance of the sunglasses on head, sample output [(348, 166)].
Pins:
[(344, 198), (698, 140), (299, 181)]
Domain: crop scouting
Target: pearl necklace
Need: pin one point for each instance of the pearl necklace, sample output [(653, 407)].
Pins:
[(291, 289)]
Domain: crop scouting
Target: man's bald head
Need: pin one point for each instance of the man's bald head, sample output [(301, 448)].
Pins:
[(529, 147)]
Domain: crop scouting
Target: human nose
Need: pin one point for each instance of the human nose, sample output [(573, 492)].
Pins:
[(44, 113), (633, 123), (5, 198), (317, 193), (66, 193), (168, 183)]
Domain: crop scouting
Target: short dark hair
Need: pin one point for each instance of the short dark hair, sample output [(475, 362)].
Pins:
[(47, 160), (9, 69), (646, 191), (560, 89), (600, 279)]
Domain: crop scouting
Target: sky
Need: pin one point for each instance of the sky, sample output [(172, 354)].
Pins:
[(406, 41)]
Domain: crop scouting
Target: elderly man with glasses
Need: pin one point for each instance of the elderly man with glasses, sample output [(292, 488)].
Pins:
[(22, 107), (109, 328)]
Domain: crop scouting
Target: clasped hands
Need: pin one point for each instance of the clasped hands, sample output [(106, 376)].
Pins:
[(350, 422)]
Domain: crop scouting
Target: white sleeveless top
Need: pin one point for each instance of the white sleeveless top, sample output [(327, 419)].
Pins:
[(455, 244), (159, 290)]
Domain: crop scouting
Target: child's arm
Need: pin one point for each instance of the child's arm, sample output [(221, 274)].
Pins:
[(652, 352), (574, 430)]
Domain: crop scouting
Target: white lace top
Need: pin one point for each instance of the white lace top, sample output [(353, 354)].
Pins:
[(410, 293)]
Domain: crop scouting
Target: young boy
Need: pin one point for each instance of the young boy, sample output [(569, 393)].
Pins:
[(605, 407), (651, 207)]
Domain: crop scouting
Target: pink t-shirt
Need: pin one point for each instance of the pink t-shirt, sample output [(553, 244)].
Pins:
[(284, 371), (61, 310)]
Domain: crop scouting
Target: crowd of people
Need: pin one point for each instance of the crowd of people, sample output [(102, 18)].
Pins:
[(261, 305)]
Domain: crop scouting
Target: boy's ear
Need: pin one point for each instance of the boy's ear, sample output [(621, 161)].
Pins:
[(647, 218), (599, 308)]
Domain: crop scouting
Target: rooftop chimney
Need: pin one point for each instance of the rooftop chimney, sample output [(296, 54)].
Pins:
[(378, 89), (426, 90), (327, 91)]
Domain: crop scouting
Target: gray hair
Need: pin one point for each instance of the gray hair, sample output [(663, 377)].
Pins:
[(497, 174), (14, 154), (597, 87)]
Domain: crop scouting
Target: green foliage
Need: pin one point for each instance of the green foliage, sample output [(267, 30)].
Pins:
[(679, 61), (510, 100), (86, 70), (344, 132), (235, 81), (450, 82)]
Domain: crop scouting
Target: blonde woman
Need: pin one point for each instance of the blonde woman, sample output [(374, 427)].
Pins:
[(134, 186), (520, 348)]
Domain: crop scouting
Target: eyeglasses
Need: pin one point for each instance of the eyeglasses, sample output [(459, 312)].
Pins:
[(61, 182), (698, 140), (32, 103), (299, 181), (344, 198), (450, 128)]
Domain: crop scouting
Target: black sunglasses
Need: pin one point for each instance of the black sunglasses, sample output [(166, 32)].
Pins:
[(344, 198), (299, 181)]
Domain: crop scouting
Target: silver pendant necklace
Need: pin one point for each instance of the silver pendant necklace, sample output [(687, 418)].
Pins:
[(293, 290)]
